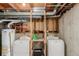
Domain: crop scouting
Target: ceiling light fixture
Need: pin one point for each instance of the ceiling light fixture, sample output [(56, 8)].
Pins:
[(23, 4)]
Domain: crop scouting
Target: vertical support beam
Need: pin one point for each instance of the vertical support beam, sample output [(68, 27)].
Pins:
[(30, 44), (45, 39)]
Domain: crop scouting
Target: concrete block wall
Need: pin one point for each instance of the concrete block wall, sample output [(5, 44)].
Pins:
[(69, 30)]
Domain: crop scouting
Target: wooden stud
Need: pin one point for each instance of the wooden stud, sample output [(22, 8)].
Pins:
[(30, 44), (45, 33)]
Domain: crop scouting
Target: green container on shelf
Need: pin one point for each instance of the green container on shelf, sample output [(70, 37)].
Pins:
[(35, 37)]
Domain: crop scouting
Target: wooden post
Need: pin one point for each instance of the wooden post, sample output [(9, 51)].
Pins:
[(30, 44), (45, 32)]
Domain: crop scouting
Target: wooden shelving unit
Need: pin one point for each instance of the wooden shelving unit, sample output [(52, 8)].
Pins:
[(31, 33)]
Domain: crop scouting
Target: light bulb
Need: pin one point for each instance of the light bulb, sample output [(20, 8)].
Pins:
[(23, 4)]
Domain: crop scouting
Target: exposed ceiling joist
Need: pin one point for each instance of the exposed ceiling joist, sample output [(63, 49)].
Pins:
[(20, 6), (57, 5), (52, 5), (13, 6), (49, 7), (27, 6), (1, 7), (70, 5), (52, 8), (61, 8), (38, 4)]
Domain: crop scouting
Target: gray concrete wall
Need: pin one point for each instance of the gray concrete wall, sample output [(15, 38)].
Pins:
[(69, 30)]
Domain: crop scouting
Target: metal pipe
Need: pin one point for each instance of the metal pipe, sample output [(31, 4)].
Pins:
[(11, 21), (27, 13)]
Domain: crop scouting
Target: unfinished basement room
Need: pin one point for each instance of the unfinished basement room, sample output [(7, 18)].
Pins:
[(39, 29)]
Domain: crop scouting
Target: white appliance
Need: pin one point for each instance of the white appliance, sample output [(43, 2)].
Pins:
[(55, 46), (21, 46), (8, 36)]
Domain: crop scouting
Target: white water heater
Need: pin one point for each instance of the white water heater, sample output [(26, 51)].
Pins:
[(55, 47), (8, 37)]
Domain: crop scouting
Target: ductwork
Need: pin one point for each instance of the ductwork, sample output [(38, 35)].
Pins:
[(52, 13), (11, 21), (27, 13), (36, 11)]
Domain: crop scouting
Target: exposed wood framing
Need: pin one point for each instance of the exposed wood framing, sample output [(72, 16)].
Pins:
[(70, 5), (45, 33), (45, 36), (57, 5), (61, 8), (26, 7), (13, 6), (18, 6), (38, 4), (1, 7), (30, 33)]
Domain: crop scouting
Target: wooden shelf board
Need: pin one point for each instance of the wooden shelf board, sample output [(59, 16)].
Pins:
[(37, 40)]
